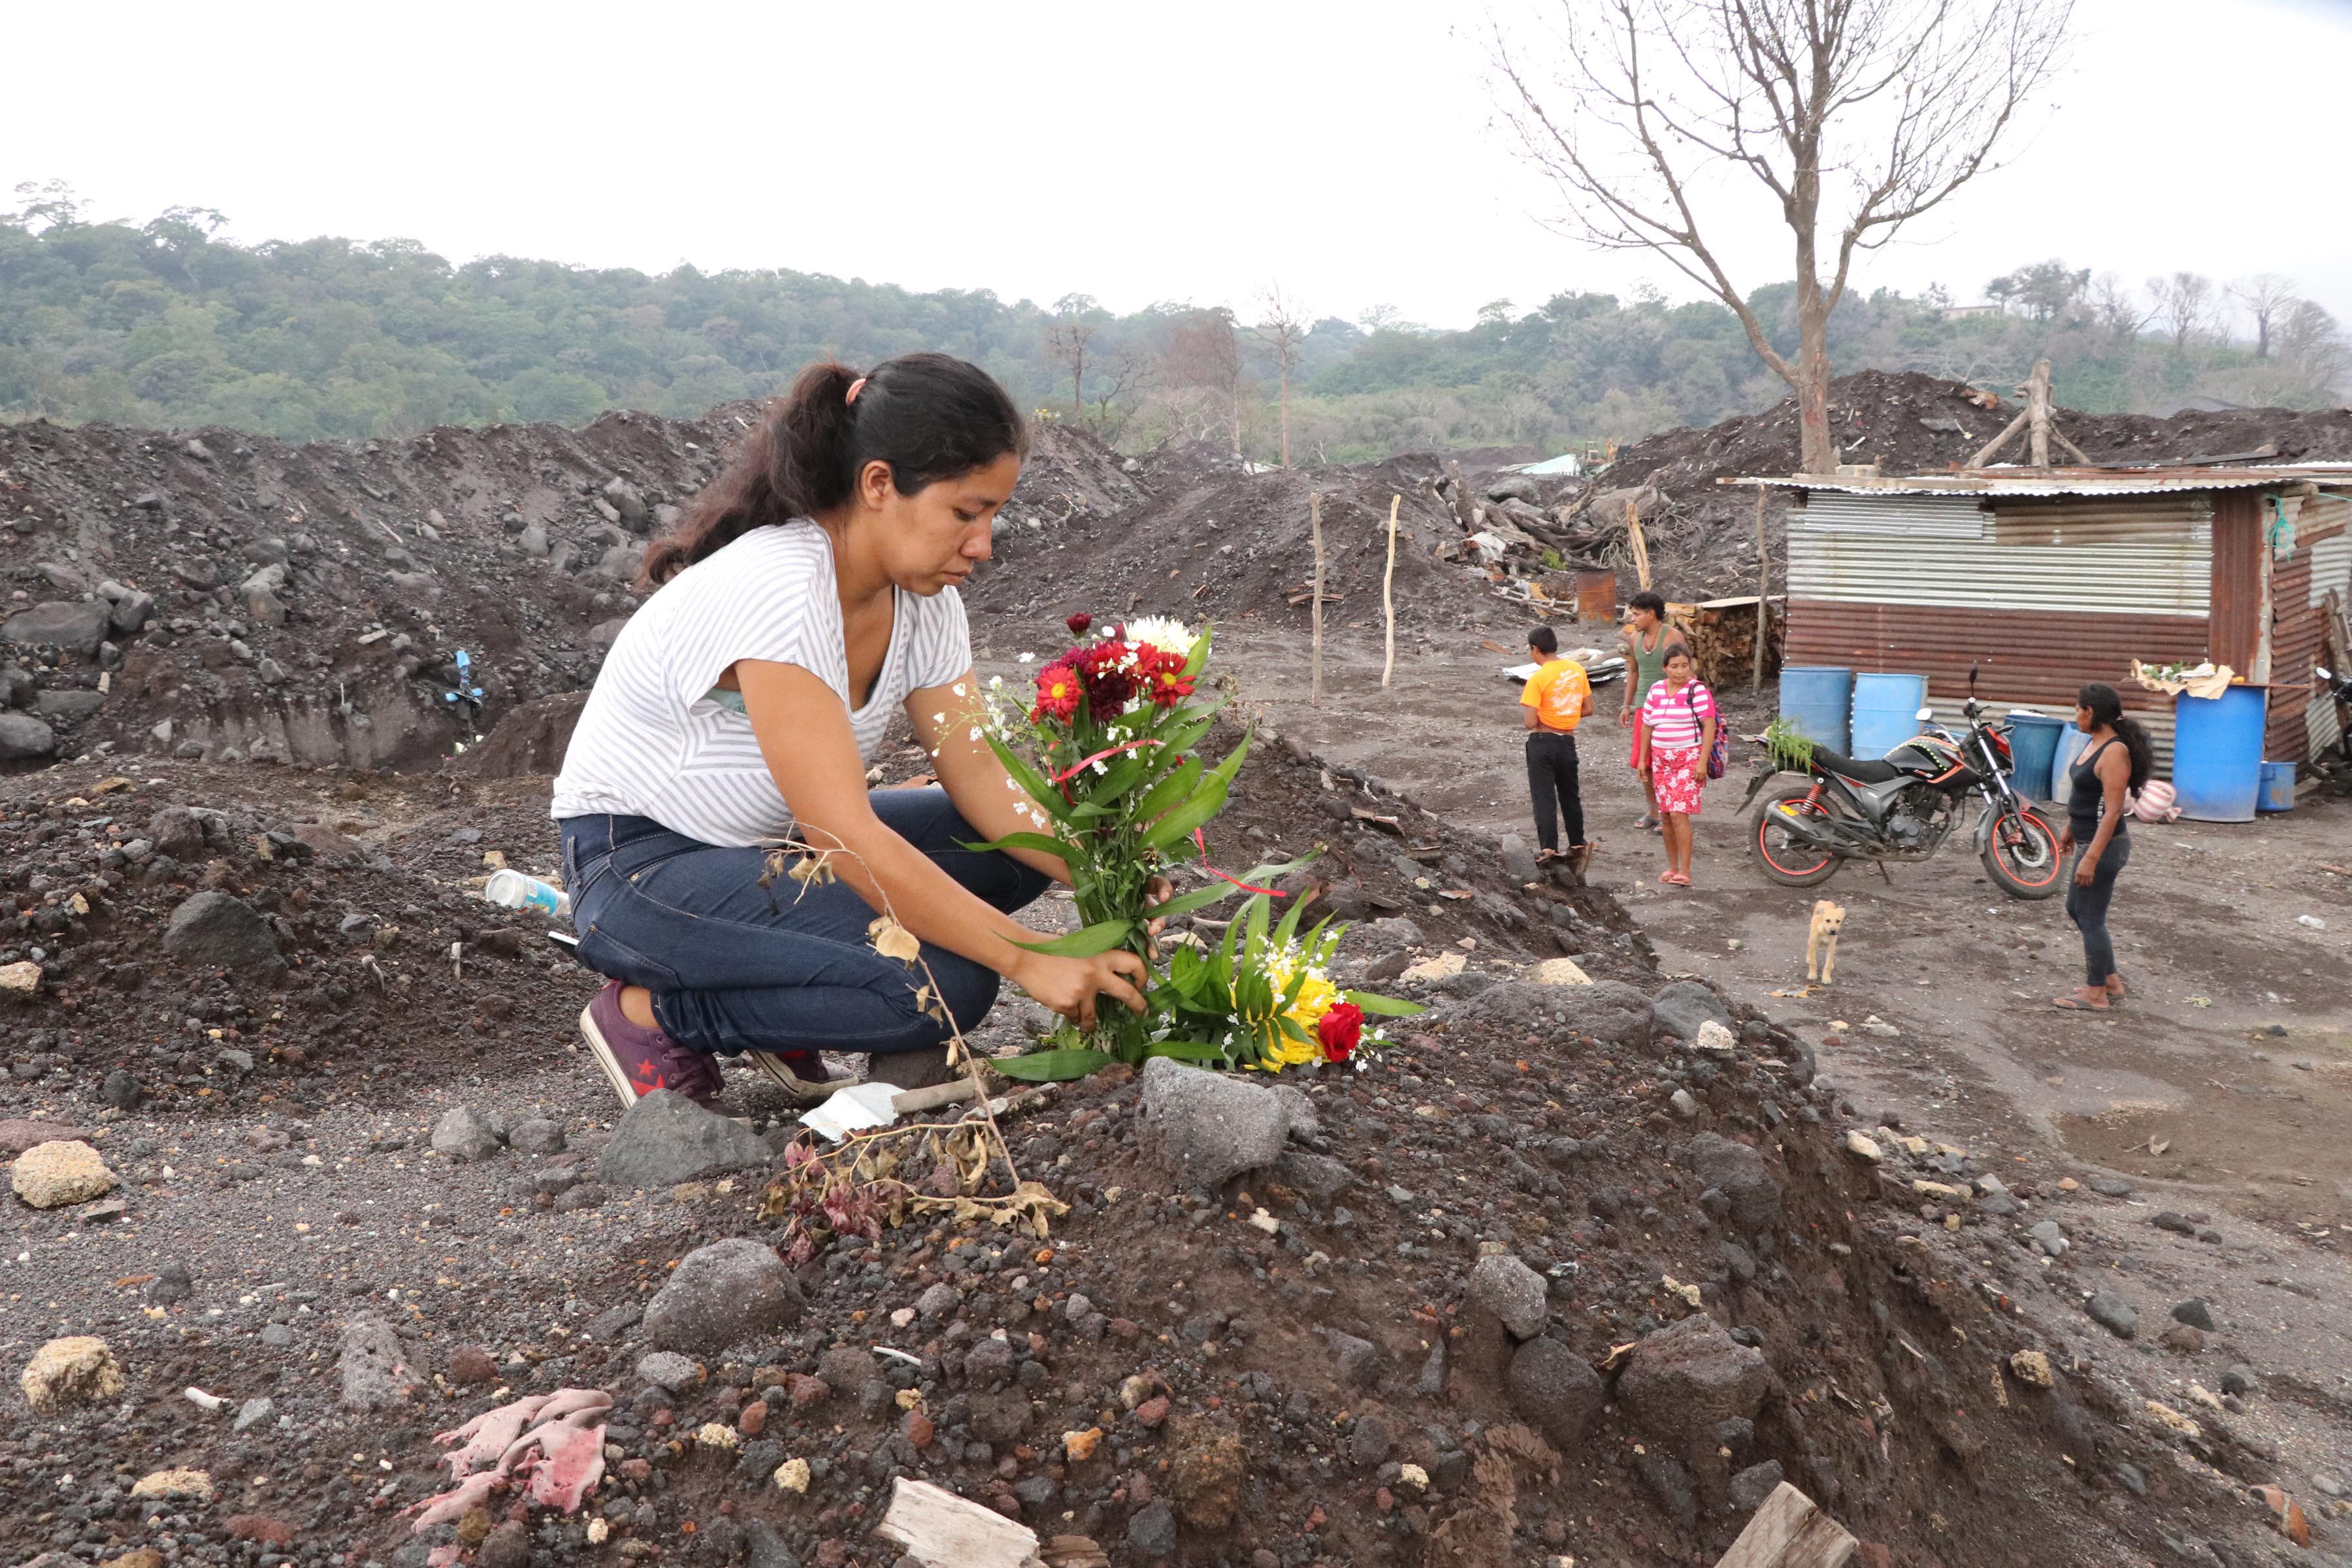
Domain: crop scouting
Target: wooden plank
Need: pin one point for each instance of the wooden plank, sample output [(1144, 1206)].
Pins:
[(941, 1530), (1789, 1532)]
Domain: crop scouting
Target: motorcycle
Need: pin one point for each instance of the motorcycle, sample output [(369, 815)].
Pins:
[(1903, 807)]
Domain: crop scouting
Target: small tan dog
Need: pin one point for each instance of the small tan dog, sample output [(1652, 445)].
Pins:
[(1821, 942)]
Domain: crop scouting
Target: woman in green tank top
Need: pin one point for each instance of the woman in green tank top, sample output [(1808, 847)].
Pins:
[(1648, 639)]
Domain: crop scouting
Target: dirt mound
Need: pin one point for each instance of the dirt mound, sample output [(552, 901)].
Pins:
[(231, 597), (1701, 534), (1229, 544), (1408, 1342)]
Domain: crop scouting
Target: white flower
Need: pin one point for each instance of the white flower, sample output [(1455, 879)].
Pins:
[(996, 683), (975, 732), (957, 688), (1164, 633), (938, 718)]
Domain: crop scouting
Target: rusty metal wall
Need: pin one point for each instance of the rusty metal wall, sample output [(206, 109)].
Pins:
[(2024, 656), (2237, 579), (2294, 649)]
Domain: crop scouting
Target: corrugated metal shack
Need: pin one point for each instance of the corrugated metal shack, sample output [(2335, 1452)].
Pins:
[(2046, 578)]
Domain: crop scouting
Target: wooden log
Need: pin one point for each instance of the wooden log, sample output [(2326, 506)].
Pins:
[(1388, 594), (2037, 410), (941, 1530), (1314, 525), (1641, 546), (1789, 1531)]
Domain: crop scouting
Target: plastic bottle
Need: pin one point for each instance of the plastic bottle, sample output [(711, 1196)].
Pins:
[(516, 890)]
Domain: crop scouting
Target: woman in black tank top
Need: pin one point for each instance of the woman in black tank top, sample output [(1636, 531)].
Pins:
[(2115, 759)]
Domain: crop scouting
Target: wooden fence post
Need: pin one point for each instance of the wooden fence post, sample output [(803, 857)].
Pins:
[(1763, 595), (1315, 522), (1388, 594)]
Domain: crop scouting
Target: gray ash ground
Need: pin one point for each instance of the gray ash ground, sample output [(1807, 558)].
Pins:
[(266, 1086), (301, 1197)]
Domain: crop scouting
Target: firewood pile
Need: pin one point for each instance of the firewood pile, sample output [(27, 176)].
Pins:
[(1722, 637)]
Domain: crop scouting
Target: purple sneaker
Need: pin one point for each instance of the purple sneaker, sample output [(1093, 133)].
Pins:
[(639, 1061)]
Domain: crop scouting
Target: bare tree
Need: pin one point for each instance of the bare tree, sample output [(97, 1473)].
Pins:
[(1875, 110), (1066, 343), (1127, 371), (2308, 339), (2267, 297), (2117, 311), (1203, 353), (1282, 323), (2181, 304)]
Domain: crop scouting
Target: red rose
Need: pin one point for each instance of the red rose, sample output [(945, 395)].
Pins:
[(1079, 623), (1340, 1030)]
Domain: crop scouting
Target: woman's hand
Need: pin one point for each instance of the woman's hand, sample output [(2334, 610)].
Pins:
[(1624, 717), (1156, 891), (2085, 868), (2066, 840), (1069, 986)]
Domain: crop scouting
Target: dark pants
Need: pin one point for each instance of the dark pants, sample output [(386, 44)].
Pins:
[(2088, 907), (1552, 772), (734, 966)]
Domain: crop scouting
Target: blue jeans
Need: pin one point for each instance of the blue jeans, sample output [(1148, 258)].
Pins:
[(2087, 907), (735, 966)]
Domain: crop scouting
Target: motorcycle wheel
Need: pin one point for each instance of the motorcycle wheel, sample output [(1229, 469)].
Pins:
[(1781, 856), (2021, 857)]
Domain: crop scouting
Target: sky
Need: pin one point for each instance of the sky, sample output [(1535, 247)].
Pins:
[(1347, 150)]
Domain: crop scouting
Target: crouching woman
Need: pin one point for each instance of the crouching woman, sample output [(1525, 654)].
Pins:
[(809, 596)]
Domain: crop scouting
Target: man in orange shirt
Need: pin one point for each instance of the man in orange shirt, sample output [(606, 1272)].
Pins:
[(1557, 698)]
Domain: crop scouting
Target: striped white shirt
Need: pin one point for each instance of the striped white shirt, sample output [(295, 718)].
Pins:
[(653, 742)]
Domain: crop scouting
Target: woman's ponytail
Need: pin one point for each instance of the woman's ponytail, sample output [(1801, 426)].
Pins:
[(927, 415), (2107, 708)]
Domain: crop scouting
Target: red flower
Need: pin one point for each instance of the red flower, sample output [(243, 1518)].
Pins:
[(1340, 1029), (1057, 691), (1079, 623), (1162, 675), (1110, 682)]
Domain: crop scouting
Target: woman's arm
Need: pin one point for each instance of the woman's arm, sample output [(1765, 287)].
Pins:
[(2114, 769), (803, 733), (947, 722)]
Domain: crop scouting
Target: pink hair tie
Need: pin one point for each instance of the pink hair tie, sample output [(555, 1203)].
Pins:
[(854, 388)]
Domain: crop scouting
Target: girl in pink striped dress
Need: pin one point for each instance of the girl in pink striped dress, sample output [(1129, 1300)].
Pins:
[(1678, 721)]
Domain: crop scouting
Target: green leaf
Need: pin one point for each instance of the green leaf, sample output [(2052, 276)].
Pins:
[(1046, 796), (1385, 1006), (1185, 903), (1188, 1051), (1178, 825), (1034, 841), (1051, 1067), (1100, 937), (1176, 786)]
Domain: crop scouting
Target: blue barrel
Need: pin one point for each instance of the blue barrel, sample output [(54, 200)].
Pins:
[(2277, 792), (2217, 754), (2032, 748), (1886, 711), (2061, 763), (1816, 699)]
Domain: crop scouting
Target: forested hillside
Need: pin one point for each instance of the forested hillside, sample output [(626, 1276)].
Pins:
[(164, 324)]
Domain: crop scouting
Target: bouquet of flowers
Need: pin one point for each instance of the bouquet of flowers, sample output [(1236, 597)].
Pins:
[(1106, 749)]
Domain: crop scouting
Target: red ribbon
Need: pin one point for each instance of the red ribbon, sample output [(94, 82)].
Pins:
[(1220, 876), (1066, 775)]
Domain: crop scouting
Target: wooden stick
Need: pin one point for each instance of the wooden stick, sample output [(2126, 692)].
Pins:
[(1763, 595), (1641, 546), (1789, 1531), (1315, 522), (2037, 407), (1388, 592)]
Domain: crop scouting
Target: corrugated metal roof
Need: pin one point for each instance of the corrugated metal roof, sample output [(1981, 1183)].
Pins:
[(2000, 481)]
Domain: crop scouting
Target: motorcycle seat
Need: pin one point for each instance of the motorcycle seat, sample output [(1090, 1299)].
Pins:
[(1861, 770)]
